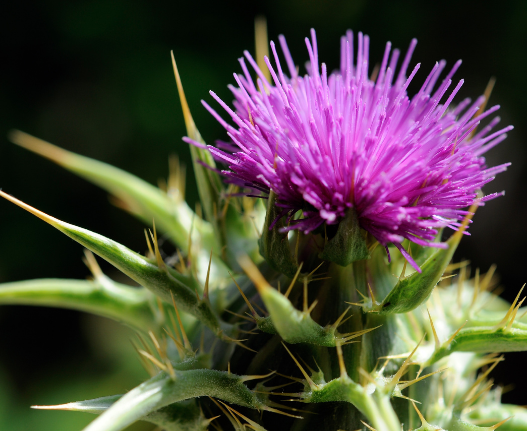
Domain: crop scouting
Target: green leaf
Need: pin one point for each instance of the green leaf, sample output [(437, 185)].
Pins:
[(233, 231), (131, 306), (484, 340), (162, 280), (412, 291), (141, 198), (209, 182), (489, 413), (376, 407), (349, 243), (458, 424), (162, 390), (95, 406), (274, 245), (293, 325), (181, 416), (493, 318)]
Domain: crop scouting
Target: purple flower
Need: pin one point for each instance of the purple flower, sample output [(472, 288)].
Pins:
[(326, 142)]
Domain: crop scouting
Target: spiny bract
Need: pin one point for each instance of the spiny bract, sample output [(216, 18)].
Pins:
[(317, 328)]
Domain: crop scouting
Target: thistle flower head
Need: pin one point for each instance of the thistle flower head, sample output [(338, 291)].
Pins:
[(327, 142)]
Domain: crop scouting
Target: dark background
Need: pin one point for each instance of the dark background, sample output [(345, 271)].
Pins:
[(95, 77)]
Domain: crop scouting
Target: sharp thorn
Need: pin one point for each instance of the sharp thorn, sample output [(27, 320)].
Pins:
[(315, 270), (436, 338), (206, 288), (312, 306), (424, 423), (92, 264), (364, 297), (411, 382), (181, 327), (341, 320), (455, 333), (505, 320), (253, 311), (254, 274), (255, 377), (308, 379), (403, 367), (493, 427), (305, 307), (342, 366), (371, 294), (241, 316), (159, 259), (351, 335), (367, 376), (368, 426), (270, 409), (154, 360), (152, 254), (293, 281)]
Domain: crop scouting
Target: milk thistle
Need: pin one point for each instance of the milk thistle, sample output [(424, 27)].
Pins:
[(326, 144), (280, 311)]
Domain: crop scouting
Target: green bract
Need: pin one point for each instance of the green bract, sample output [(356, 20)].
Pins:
[(281, 331)]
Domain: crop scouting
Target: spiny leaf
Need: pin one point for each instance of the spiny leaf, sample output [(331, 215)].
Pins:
[(296, 326), (341, 389), (181, 416), (376, 407), (488, 414), (162, 282), (233, 232), (412, 291), (458, 424), (208, 181), (95, 406), (141, 198), (162, 390), (129, 305), (483, 340), (293, 325)]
